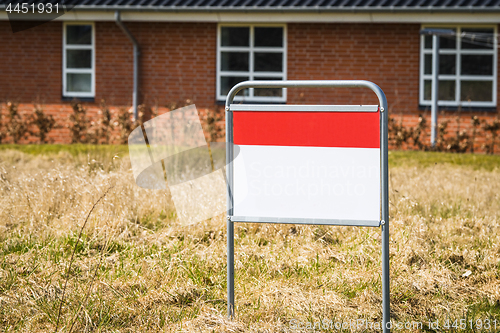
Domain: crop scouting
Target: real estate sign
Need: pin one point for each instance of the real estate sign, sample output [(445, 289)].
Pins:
[(308, 164)]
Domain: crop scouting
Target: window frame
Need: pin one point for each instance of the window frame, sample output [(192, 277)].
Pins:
[(251, 49), (90, 71), (458, 77)]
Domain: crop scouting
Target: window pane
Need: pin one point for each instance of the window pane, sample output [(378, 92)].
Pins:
[(79, 58), (227, 82), (268, 92), (268, 37), (428, 64), (78, 82), (476, 91), (234, 61), (427, 90), (79, 34), (447, 64), (428, 42), (235, 36), (268, 62), (477, 38), (448, 42), (477, 64), (446, 90)]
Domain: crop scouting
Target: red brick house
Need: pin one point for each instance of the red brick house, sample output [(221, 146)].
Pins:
[(198, 49)]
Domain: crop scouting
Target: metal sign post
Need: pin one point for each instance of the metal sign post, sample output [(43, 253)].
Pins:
[(334, 136)]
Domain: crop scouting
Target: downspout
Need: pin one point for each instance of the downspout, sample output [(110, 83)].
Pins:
[(136, 62)]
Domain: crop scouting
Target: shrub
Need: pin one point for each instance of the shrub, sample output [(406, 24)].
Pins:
[(17, 126), (460, 142), (100, 130), (475, 124), (493, 129), (43, 123), (125, 124), (3, 132), (418, 133), (79, 124), (212, 127), (399, 134)]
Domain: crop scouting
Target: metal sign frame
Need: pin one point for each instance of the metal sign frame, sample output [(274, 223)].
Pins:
[(384, 174)]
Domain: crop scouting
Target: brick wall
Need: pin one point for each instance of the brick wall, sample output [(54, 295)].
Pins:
[(31, 63), (387, 54), (178, 63)]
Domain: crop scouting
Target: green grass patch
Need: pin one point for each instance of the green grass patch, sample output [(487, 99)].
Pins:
[(73, 149), (399, 158)]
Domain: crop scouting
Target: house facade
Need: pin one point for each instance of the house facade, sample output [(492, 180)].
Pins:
[(197, 50)]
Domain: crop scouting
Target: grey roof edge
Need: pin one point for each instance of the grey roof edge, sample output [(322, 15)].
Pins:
[(319, 9), (286, 9)]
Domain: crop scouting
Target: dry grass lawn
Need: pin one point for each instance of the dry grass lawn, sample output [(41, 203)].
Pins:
[(136, 269)]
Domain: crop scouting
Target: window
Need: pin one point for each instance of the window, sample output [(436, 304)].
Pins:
[(256, 52), (78, 60), (467, 67)]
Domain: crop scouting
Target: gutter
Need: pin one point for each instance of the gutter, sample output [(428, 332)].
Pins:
[(136, 62)]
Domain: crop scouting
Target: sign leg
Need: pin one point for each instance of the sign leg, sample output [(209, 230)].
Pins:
[(386, 294), (230, 268)]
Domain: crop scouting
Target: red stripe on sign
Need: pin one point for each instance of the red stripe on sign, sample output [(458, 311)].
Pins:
[(311, 129)]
